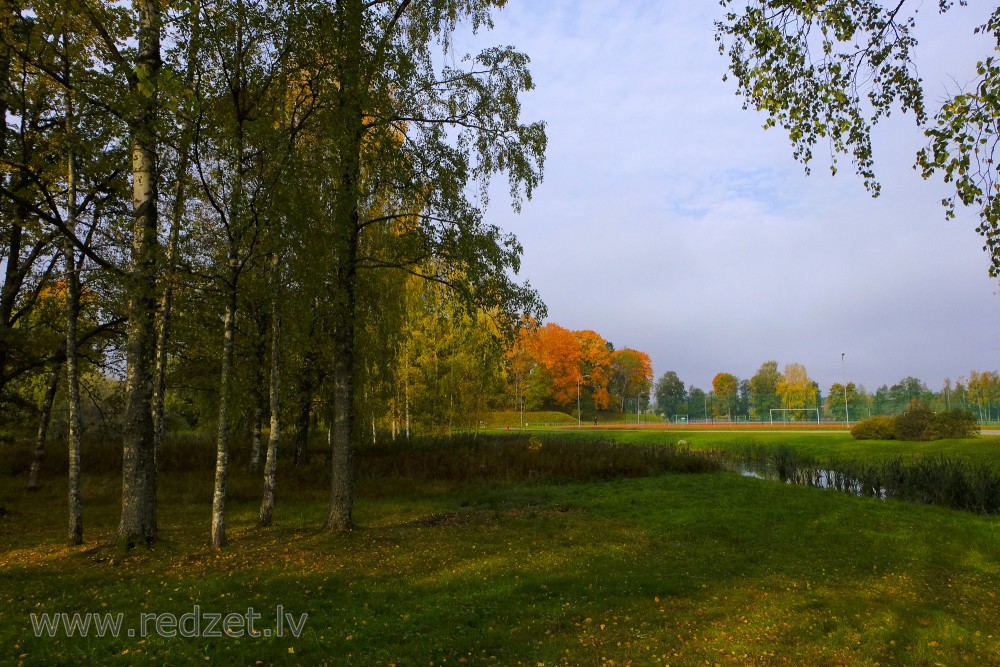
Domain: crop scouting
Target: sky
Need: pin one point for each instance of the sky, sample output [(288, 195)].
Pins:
[(670, 222)]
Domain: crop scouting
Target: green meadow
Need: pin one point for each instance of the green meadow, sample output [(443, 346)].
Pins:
[(554, 549)]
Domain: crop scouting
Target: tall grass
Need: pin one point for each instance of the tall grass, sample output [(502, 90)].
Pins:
[(460, 458), (932, 480), (524, 457)]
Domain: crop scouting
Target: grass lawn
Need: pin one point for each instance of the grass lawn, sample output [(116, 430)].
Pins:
[(674, 569)]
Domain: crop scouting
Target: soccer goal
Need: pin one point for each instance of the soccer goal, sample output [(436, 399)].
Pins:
[(798, 414)]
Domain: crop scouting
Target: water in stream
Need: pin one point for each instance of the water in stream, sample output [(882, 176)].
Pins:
[(806, 476)]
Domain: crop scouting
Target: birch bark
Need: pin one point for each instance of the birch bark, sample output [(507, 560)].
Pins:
[(138, 517)]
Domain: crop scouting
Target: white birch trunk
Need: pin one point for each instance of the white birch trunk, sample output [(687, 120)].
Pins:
[(222, 442), (43, 428), (73, 397), (255, 440), (406, 387), (75, 534), (138, 518), (271, 460)]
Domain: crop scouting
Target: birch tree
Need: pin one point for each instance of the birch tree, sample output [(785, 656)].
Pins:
[(132, 85), (274, 400), (796, 388), (139, 482), (29, 249), (190, 46), (38, 453), (387, 87), (241, 151), (137, 103), (52, 53), (72, 306)]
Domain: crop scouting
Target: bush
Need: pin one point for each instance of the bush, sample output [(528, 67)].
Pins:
[(956, 424), (918, 423), (875, 428)]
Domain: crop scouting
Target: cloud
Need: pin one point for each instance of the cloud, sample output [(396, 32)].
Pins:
[(671, 222)]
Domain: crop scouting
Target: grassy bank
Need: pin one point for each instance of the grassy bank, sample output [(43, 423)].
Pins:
[(677, 569), (513, 419)]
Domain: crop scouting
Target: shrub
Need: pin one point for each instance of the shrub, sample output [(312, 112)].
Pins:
[(956, 424), (875, 428), (917, 423)]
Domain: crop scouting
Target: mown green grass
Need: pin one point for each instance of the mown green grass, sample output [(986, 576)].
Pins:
[(670, 569), (513, 419), (542, 419)]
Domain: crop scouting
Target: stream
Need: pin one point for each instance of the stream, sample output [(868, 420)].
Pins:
[(805, 476)]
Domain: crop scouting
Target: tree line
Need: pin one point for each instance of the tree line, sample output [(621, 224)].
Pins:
[(792, 391), (240, 215)]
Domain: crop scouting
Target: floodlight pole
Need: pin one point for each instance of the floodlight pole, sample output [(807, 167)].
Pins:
[(522, 396), (847, 410)]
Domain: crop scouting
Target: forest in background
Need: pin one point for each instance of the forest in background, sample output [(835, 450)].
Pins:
[(793, 391)]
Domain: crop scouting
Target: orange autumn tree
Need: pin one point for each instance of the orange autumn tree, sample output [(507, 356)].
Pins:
[(522, 360), (557, 352), (595, 356)]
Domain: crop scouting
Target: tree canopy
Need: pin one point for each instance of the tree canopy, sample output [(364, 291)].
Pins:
[(827, 71), (249, 184)]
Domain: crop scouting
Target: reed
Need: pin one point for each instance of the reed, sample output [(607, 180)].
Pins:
[(525, 458), (931, 480)]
